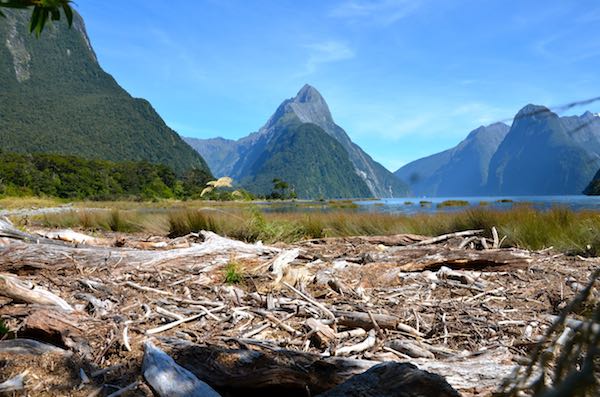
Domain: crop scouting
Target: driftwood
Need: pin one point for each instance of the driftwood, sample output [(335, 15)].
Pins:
[(28, 347), (16, 289), (47, 255), (445, 237), (420, 259), (393, 379), (168, 379), (13, 384), (365, 320), (248, 370)]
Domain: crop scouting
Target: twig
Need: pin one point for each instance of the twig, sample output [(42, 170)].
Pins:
[(313, 301)]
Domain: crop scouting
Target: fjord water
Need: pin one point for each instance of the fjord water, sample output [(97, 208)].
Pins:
[(414, 205)]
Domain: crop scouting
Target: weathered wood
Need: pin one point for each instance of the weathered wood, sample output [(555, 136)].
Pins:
[(47, 255), (273, 370), (366, 344), (410, 348), (448, 236), (28, 347), (322, 333), (168, 379), (13, 384), (392, 379), (363, 320), (425, 258), (16, 289)]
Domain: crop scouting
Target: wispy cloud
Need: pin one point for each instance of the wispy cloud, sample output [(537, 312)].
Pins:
[(479, 113), (385, 12), (326, 52)]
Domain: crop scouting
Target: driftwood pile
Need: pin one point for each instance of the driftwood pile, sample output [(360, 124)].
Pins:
[(371, 316)]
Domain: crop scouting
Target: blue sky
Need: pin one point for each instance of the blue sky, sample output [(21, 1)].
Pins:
[(404, 78)]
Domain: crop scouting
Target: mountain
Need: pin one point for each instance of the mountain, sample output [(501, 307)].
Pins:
[(56, 98), (218, 153), (543, 154), (460, 171), (244, 159)]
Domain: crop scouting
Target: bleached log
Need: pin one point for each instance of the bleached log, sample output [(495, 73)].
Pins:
[(448, 236), (168, 379), (368, 343), (14, 384), (16, 289), (42, 254), (69, 236)]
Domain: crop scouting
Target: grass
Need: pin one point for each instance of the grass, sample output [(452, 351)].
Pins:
[(233, 274), (525, 227), (13, 203), (3, 328)]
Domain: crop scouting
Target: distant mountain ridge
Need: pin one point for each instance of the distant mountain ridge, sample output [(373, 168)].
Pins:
[(240, 159), (539, 154), (460, 171), (55, 98)]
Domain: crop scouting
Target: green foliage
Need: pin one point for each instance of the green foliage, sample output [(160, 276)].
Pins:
[(71, 177), (3, 328), (232, 273), (42, 10)]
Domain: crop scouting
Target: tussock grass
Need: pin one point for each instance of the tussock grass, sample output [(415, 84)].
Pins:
[(524, 226), (92, 220)]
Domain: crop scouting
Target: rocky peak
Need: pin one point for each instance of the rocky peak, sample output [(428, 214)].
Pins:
[(310, 107), (533, 111)]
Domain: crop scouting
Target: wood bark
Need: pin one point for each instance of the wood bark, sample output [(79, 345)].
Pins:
[(392, 379)]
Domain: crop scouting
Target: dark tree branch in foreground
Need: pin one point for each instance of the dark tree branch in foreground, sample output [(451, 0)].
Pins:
[(42, 11)]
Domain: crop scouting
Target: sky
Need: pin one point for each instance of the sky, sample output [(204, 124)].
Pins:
[(404, 78)]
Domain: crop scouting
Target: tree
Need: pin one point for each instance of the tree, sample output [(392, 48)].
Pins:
[(42, 11), (280, 185)]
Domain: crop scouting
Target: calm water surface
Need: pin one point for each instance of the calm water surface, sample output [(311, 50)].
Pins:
[(428, 205), (412, 205)]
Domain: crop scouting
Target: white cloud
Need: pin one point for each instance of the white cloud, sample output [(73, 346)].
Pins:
[(326, 52), (385, 12), (480, 113)]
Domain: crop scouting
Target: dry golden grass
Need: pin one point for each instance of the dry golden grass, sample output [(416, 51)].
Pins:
[(525, 227)]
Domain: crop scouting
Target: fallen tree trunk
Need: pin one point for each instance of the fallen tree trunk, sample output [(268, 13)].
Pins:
[(247, 370), (420, 259), (392, 379), (47, 255)]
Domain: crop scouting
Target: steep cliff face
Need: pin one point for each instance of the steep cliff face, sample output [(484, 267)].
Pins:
[(56, 98)]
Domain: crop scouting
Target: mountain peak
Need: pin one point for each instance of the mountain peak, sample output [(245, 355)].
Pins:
[(308, 93), (532, 111)]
